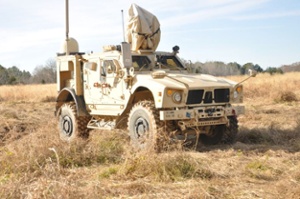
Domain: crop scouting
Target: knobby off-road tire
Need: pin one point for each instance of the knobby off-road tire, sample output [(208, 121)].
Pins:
[(70, 125), (144, 126), (214, 136), (229, 136), (221, 133)]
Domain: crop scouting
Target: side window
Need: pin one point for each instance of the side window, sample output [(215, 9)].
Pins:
[(102, 72), (109, 67)]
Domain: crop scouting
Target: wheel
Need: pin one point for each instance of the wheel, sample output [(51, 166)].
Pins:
[(221, 133), (70, 125), (143, 124), (214, 136), (230, 134)]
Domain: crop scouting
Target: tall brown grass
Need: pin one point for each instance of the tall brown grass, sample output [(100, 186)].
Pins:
[(28, 93), (266, 88), (34, 163)]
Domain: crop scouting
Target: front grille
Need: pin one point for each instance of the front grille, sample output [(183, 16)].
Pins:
[(222, 95), (208, 97), (195, 97)]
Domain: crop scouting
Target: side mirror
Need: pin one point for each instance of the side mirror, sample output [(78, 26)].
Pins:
[(252, 73)]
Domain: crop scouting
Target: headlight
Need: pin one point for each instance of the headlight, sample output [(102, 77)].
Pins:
[(235, 94), (238, 90), (177, 97)]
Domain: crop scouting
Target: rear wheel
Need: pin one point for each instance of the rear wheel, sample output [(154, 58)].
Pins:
[(143, 125), (70, 125)]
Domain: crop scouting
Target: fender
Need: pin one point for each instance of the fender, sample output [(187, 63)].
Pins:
[(68, 95)]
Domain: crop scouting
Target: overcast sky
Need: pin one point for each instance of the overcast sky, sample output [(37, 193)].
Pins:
[(264, 32)]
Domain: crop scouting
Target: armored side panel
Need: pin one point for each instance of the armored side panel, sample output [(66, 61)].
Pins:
[(126, 55), (69, 73)]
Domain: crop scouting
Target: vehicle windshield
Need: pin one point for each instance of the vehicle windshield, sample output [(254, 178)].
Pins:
[(169, 62), (141, 63)]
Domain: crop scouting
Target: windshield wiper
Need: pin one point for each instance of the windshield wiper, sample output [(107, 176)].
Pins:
[(142, 67)]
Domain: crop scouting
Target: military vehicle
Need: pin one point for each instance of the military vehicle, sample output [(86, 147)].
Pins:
[(150, 93)]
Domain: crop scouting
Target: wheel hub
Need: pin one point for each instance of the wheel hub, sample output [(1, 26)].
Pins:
[(141, 127), (67, 125)]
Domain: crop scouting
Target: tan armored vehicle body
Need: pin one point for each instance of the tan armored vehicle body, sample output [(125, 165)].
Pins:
[(150, 93)]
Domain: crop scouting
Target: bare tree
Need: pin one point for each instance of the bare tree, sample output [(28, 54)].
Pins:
[(45, 73)]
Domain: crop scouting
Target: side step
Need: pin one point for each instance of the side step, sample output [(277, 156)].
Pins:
[(101, 124)]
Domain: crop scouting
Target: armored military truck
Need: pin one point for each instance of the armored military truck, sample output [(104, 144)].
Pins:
[(150, 93)]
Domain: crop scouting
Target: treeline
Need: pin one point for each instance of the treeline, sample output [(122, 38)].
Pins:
[(218, 68), (41, 74), (47, 73), (13, 75), (290, 68)]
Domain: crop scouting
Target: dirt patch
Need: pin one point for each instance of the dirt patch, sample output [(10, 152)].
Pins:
[(287, 96), (19, 119)]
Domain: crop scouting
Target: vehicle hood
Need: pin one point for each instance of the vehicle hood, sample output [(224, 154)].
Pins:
[(189, 81), (201, 80)]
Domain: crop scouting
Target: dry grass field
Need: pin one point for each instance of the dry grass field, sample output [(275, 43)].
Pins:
[(263, 163)]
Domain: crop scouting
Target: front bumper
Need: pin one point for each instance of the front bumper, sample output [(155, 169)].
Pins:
[(201, 116)]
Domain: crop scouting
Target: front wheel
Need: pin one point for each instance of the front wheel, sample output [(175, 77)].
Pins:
[(214, 136), (70, 125), (143, 124), (221, 133), (230, 134)]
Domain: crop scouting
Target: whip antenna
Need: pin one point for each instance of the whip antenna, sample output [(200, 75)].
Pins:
[(67, 26), (123, 25), (67, 19)]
